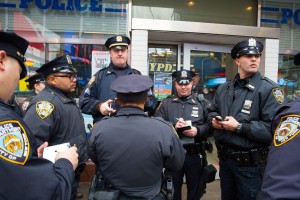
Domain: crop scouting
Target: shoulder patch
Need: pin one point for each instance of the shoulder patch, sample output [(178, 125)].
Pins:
[(44, 109), (287, 129), (25, 105), (92, 80), (278, 94), (14, 143)]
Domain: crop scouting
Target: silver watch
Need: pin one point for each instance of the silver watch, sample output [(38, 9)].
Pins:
[(239, 128)]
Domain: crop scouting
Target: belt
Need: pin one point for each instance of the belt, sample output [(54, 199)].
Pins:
[(243, 157), (194, 149)]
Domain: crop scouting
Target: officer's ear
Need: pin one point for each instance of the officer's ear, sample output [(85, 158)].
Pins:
[(2, 57), (50, 79)]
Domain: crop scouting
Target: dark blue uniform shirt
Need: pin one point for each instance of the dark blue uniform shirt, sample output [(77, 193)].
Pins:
[(23, 174), (282, 174)]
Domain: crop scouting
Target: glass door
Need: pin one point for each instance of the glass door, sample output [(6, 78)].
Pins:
[(212, 64)]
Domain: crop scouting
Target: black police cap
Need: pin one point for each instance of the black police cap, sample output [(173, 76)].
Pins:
[(247, 47), (183, 76), (36, 78), (14, 46), (117, 41), (59, 64), (131, 88), (297, 59)]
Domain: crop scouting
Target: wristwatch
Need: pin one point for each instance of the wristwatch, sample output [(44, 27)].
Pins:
[(239, 128)]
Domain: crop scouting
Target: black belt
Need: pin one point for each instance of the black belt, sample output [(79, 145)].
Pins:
[(194, 149), (243, 157)]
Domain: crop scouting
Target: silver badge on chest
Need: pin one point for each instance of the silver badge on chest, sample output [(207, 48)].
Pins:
[(246, 107)]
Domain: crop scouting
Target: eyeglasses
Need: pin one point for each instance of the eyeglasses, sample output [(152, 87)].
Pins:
[(71, 77)]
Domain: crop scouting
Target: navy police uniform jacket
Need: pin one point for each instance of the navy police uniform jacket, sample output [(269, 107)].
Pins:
[(254, 105), (23, 174), (54, 117), (98, 91), (24, 105), (131, 150), (282, 174), (173, 108)]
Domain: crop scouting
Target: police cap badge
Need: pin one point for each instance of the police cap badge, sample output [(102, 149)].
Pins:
[(247, 47)]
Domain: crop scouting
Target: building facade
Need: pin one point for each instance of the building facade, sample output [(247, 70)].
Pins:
[(166, 35)]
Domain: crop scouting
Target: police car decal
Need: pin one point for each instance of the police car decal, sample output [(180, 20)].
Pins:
[(92, 80), (14, 143), (287, 129), (44, 109), (278, 94)]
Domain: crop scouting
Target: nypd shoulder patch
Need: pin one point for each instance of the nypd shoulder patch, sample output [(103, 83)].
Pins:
[(14, 143), (44, 109), (278, 94), (287, 129), (25, 105)]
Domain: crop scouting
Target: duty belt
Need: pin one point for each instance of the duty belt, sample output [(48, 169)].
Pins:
[(243, 157), (194, 149)]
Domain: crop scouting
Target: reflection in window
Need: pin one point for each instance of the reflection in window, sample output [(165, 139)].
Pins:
[(289, 76)]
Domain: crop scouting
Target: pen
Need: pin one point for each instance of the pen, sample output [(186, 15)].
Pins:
[(109, 107)]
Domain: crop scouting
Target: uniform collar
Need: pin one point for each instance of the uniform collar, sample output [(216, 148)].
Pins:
[(4, 104), (190, 99), (251, 82), (130, 110), (62, 96), (111, 69)]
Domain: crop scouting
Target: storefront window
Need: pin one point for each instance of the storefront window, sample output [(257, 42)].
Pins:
[(53, 28), (162, 62), (213, 11), (289, 77), (210, 68)]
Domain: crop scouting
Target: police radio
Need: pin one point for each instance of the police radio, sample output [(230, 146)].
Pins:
[(167, 188)]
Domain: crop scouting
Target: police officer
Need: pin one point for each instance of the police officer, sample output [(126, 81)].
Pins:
[(131, 149), (282, 177), (53, 115), (23, 174), (97, 97), (36, 83), (241, 112), (182, 109)]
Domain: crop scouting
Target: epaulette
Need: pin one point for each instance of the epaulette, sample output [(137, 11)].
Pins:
[(162, 120), (170, 96), (270, 81), (134, 71), (105, 118)]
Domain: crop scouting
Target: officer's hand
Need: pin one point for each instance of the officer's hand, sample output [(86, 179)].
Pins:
[(180, 123), (70, 154), (41, 148), (191, 132), (216, 124), (229, 124), (105, 108)]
